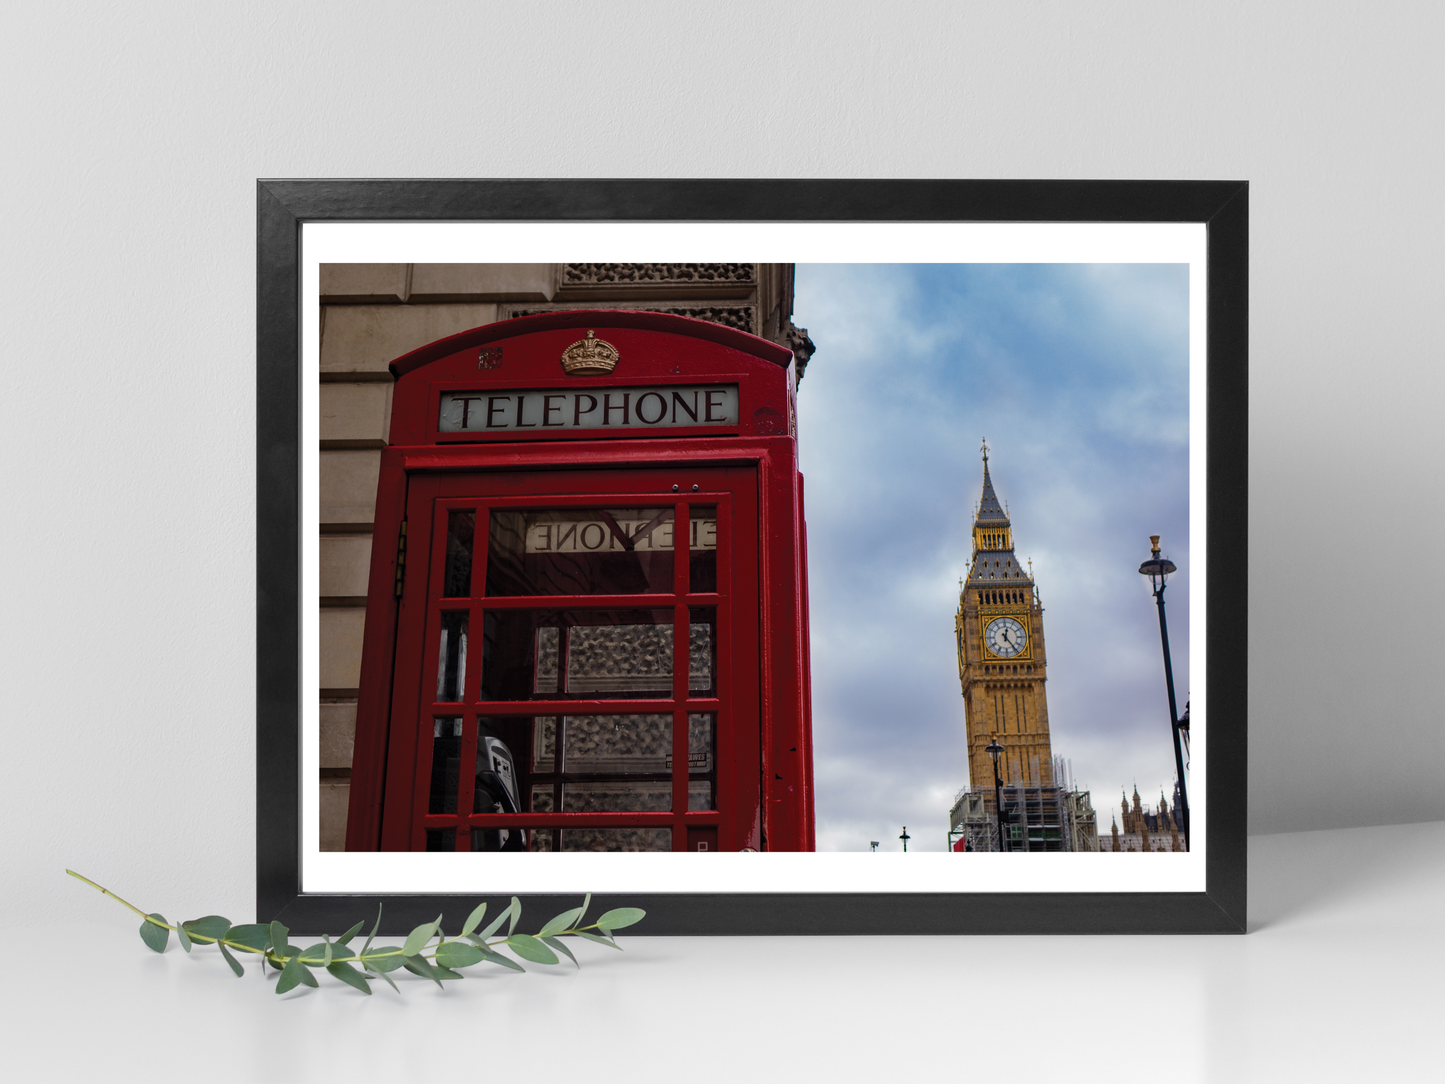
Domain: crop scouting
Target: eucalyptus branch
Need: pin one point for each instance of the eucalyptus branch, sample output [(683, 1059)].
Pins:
[(444, 960)]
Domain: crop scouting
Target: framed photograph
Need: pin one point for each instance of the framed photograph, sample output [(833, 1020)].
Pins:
[(776, 556)]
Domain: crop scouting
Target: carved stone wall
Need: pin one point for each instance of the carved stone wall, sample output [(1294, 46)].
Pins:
[(590, 274), (741, 317)]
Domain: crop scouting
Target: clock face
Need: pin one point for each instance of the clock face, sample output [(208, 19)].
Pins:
[(1005, 637)]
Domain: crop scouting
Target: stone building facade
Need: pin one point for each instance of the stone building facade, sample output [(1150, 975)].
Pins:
[(372, 314), (1143, 832)]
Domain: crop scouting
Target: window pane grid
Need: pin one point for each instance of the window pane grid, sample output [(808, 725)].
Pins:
[(562, 796)]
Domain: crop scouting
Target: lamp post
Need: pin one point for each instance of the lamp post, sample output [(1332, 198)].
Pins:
[(993, 749), (905, 837), (1158, 569)]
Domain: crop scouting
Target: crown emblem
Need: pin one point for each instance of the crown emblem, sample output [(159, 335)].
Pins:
[(589, 357)]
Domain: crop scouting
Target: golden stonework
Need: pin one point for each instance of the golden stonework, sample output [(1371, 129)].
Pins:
[(589, 357)]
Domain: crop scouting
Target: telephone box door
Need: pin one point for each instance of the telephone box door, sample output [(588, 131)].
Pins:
[(577, 663)]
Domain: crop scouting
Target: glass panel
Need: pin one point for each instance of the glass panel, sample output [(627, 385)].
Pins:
[(452, 656), (441, 839), (457, 581), (701, 761), (592, 551), (702, 548), (446, 753), (702, 651), (617, 797), (544, 745), (543, 839), (629, 657), (617, 839), (547, 647), (605, 654), (617, 744), (542, 798)]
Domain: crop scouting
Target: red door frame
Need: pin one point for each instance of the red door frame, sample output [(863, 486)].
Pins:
[(735, 704), (783, 819)]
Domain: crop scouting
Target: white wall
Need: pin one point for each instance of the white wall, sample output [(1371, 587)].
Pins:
[(132, 139)]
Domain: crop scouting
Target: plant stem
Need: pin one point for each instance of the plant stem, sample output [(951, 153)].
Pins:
[(280, 961), (113, 896)]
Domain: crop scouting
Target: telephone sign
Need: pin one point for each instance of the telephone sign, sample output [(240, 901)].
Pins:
[(586, 620)]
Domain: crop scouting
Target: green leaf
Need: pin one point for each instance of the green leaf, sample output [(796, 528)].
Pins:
[(456, 954), (474, 919), (529, 948), (516, 909), (256, 936), (213, 927), (382, 975), (349, 934), (372, 936), (327, 961), (417, 966), (557, 946), (418, 938), (183, 937), (600, 940), (235, 964), (294, 972), (349, 975), (582, 911), (622, 916), (502, 916), (383, 963), (560, 923), (496, 957), (155, 936), (279, 944), (315, 956)]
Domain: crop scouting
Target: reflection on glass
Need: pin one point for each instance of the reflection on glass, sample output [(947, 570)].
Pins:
[(441, 839), (702, 549), (446, 753), (590, 551), (701, 761), (617, 797), (620, 658), (700, 727), (544, 744), (702, 651), (457, 579), (617, 839), (546, 676), (617, 744), (605, 654), (452, 656)]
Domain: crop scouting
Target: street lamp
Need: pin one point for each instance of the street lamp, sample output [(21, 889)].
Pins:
[(993, 749), (905, 837), (1158, 569)]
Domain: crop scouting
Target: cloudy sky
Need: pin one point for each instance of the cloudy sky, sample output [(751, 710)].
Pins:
[(1078, 376)]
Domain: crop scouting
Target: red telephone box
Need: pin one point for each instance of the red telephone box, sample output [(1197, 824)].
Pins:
[(588, 583)]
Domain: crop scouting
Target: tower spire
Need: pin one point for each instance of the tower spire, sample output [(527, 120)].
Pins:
[(990, 511)]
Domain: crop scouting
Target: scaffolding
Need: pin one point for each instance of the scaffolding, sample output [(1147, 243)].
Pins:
[(1036, 818)]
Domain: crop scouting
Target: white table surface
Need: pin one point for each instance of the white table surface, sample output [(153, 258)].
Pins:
[(1339, 979)]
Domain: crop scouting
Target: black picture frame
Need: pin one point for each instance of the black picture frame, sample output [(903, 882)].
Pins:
[(284, 205)]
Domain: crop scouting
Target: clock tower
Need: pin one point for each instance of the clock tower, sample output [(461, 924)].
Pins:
[(999, 632)]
